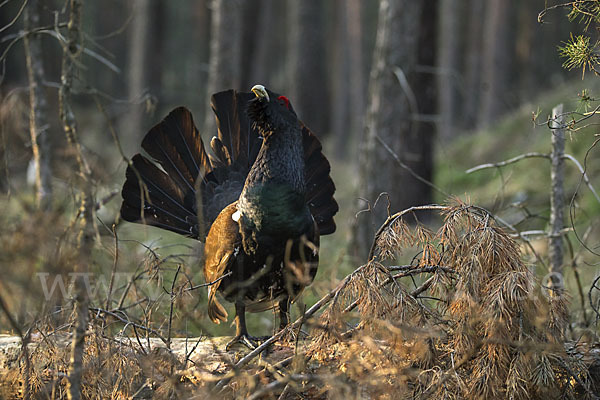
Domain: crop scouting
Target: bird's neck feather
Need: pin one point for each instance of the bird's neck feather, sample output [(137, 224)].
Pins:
[(280, 161)]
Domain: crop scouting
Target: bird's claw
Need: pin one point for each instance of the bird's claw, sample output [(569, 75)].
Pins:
[(250, 342)]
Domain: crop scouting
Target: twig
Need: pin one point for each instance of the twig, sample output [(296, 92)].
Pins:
[(285, 392), (283, 382), (572, 203), (137, 337), (583, 174), (592, 287), (189, 354), (209, 283), (423, 287), (507, 162), (546, 9), (11, 23), (128, 322), (114, 268), (409, 169), (578, 277), (171, 307)]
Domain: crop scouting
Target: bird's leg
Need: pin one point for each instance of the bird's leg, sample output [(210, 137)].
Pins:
[(241, 333), (284, 313), (284, 318)]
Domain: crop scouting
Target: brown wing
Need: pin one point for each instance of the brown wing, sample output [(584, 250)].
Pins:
[(219, 255)]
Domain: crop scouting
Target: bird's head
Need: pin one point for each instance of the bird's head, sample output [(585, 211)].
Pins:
[(270, 112)]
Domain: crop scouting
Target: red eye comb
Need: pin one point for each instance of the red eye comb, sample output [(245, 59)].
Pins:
[(285, 101)]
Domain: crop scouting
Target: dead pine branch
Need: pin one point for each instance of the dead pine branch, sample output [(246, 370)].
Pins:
[(393, 218)]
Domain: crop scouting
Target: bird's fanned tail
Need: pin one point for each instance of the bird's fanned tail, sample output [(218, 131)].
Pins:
[(162, 192)]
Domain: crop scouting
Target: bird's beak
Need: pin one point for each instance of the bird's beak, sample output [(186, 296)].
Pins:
[(260, 92)]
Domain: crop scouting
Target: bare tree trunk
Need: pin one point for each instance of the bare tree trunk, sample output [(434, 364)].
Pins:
[(340, 108), (348, 99), (201, 35), (473, 64), (555, 243), (357, 80), (263, 41), (308, 77), (496, 61), (419, 146), (72, 50), (225, 52), (448, 63), (389, 125), (131, 125), (154, 55), (38, 108)]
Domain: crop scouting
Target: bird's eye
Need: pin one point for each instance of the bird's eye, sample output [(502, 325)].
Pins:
[(284, 101)]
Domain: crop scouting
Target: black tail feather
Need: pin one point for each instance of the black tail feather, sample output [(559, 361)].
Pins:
[(155, 199), (235, 130), (221, 153), (167, 197), (176, 145), (319, 185)]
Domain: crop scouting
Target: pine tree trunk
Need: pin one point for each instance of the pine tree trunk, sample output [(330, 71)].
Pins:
[(225, 52), (308, 78), (131, 123), (390, 127), (263, 39), (38, 108), (496, 62), (420, 145), (448, 63), (357, 82), (154, 55), (72, 50), (473, 64), (340, 107)]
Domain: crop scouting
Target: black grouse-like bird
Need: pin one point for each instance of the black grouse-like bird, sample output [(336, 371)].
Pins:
[(260, 201)]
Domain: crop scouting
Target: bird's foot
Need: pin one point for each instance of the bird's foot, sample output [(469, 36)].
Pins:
[(250, 342)]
